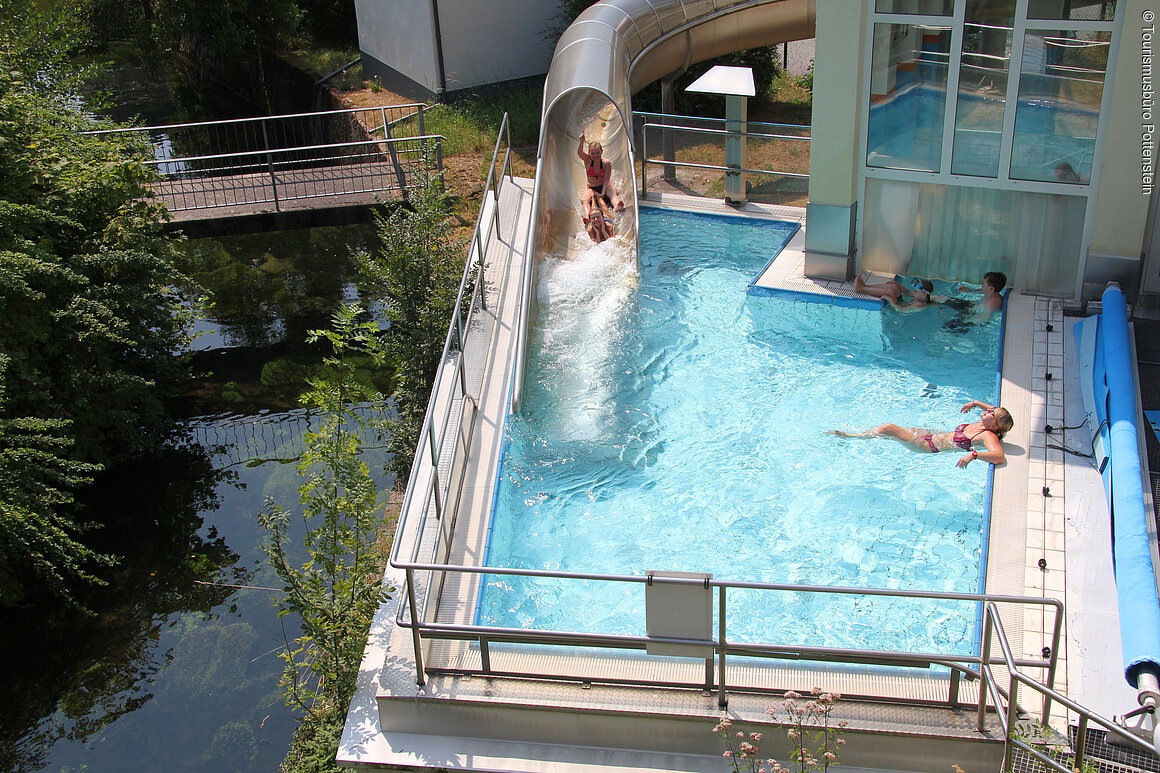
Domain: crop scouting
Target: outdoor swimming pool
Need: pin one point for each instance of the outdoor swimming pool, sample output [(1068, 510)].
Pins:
[(671, 421)]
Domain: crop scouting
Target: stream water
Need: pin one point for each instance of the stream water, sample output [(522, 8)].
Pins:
[(178, 667)]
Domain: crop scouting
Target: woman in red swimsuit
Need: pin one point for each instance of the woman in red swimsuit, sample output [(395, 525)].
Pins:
[(988, 432), (599, 173)]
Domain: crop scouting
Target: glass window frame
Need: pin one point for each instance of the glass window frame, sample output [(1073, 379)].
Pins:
[(1021, 24), (1086, 189)]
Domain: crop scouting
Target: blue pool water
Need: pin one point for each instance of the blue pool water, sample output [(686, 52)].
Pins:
[(673, 422)]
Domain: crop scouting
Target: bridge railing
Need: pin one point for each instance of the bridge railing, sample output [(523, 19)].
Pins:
[(281, 159)]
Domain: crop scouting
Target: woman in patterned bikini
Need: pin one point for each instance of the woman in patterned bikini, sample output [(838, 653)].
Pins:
[(988, 432)]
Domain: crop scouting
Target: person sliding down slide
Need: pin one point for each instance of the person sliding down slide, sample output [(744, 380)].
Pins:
[(599, 173), (597, 217)]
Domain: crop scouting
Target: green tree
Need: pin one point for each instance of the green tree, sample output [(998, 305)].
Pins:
[(38, 542), (417, 272), (90, 327), (336, 590)]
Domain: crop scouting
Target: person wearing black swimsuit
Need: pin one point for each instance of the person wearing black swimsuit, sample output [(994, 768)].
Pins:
[(988, 431)]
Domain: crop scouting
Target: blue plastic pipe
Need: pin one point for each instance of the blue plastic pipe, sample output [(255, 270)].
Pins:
[(1139, 603)]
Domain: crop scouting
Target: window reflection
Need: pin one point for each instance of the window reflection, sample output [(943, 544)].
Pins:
[(1079, 10), (925, 7), (907, 96), (983, 78), (1060, 89)]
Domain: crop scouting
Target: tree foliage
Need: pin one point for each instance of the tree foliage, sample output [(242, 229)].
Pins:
[(417, 272), (336, 590), (89, 324)]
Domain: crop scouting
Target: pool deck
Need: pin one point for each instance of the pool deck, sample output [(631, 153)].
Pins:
[(489, 724)]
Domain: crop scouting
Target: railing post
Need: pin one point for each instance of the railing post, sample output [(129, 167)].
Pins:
[(644, 159), (422, 130), (270, 167), (1012, 721), (416, 640), (484, 655), (984, 670), (668, 143), (722, 699), (1053, 663), (479, 277), (1080, 744), (434, 469), (400, 174), (953, 692), (462, 359)]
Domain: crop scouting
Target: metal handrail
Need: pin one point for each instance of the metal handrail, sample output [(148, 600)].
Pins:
[(719, 167), (274, 151), (430, 444), (409, 616), (709, 119), (1008, 719), (645, 160), (199, 124)]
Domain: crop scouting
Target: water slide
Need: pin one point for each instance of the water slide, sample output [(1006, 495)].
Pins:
[(611, 51), (1107, 380)]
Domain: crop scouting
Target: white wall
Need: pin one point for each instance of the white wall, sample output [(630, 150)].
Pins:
[(1121, 208), (482, 42), (494, 42), (400, 34)]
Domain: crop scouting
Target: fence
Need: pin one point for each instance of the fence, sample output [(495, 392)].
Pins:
[(686, 155), (279, 160)]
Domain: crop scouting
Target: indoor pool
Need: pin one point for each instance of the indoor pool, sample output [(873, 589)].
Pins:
[(672, 421)]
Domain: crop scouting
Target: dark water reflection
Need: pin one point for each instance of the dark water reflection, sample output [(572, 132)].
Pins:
[(178, 668)]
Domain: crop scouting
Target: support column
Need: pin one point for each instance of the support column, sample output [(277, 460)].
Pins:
[(836, 139)]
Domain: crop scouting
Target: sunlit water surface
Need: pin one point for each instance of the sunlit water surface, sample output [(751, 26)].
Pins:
[(673, 422)]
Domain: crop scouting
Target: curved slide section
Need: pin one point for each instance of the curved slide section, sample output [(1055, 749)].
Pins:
[(612, 50), (1109, 387)]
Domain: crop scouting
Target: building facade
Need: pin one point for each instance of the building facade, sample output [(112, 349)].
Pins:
[(954, 137), (423, 49)]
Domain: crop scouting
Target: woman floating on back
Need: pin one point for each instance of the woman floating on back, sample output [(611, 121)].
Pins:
[(987, 432)]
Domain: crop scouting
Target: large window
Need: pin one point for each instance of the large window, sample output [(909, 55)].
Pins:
[(942, 72), (981, 136), (1060, 90), (908, 86), (982, 93)]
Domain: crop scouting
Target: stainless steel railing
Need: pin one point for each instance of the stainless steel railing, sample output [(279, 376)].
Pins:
[(418, 616), (1008, 708), (276, 159), (671, 126), (441, 454)]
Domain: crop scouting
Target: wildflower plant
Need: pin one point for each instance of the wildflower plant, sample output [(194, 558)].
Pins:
[(815, 738)]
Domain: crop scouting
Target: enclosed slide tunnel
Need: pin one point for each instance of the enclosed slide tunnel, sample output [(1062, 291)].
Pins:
[(611, 51)]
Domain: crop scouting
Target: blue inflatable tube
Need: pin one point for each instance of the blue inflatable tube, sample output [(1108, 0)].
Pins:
[(1139, 604)]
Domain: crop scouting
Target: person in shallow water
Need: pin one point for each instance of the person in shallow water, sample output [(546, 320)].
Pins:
[(988, 432), (918, 296)]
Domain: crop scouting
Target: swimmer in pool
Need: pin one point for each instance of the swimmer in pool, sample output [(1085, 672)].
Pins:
[(892, 292), (988, 432)]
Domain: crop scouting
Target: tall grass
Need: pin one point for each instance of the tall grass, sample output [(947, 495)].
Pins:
[(470, 125)]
